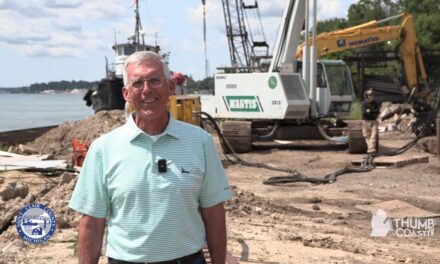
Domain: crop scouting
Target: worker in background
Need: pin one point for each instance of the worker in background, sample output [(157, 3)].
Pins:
[(157, 183), (180, 81), (370, 125)]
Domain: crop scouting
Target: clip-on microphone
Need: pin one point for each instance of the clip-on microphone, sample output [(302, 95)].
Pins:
[(162, 165)]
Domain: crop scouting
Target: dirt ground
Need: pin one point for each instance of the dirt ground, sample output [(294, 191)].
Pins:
[(289, 223)]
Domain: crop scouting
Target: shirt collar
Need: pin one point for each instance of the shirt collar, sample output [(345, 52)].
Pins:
[(134, 131)]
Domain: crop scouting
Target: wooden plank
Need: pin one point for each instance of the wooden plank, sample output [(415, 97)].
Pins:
[(395, 161), (43, 164), (12, 161), (23, 135)]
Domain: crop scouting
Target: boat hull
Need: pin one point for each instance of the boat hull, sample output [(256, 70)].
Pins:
[(107, 96)]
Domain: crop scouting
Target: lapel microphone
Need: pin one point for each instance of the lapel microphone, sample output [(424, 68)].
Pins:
[(162, 165)]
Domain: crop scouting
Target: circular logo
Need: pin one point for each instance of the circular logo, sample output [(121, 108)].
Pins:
[(272, 82), (36, 223)]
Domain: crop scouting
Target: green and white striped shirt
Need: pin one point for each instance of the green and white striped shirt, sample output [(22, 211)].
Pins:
[(152, 216)]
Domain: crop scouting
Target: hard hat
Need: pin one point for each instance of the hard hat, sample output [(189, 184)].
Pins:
[(178, 78), (368, 92)]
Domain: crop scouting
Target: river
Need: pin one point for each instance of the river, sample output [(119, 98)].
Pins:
[(20, 111)]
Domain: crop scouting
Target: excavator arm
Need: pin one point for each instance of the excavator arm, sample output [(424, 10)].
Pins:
[(371, 33)]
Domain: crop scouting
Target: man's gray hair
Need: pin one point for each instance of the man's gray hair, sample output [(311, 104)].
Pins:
[(139, 57)]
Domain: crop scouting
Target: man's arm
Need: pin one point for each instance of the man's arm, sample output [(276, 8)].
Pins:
[(91, 232), (215, 226)]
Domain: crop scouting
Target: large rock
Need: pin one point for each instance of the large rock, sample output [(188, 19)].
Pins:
[(8, 191), (14, 189), (21, 189), (428, 144)]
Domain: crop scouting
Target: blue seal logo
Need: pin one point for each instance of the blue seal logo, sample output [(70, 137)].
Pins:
[(36, 223)]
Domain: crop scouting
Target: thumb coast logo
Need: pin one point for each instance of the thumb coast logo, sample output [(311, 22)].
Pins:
[(403, 227), (36, 223), (380, 224)]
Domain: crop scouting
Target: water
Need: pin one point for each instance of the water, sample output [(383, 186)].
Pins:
[(20, 111)]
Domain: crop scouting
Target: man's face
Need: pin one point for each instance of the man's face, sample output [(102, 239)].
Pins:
[(148, 90), (370, 98)]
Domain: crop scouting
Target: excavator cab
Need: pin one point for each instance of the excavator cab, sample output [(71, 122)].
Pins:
[(335, 92)]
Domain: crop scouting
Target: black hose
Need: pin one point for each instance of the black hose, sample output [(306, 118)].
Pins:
[(366, 165), (295, 176)]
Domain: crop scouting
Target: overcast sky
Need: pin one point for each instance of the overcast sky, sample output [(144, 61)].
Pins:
[(53, 40)]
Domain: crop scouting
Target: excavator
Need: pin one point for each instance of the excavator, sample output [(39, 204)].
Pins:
[(371, 33), (374, 32)]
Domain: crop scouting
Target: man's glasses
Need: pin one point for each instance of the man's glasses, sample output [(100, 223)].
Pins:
[(154, 82)]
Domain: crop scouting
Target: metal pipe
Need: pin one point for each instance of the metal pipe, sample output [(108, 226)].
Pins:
[(268, 136), (306, 52), (313, 66), (389, 18), (342, 139)]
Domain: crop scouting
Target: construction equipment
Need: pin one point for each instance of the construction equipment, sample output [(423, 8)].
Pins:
[(283, 104), (373, 32), (277, 104), (246, 46)]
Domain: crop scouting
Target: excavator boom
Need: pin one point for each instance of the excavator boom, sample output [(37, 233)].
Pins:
[(371, 33)]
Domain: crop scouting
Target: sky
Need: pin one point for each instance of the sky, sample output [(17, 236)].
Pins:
[(54, 40)]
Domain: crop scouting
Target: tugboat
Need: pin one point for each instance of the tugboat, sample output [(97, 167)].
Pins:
[(108, 94)]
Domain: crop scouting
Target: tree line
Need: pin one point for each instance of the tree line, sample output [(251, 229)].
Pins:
[(194, 86), (56, 86)]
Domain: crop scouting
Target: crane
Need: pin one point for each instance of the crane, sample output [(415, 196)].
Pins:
[(247, 44)]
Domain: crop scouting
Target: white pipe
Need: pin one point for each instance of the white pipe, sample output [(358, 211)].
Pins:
[(313, 68), (306, 52)]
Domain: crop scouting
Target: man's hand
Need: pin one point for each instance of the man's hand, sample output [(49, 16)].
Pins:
[(215, 226), (91, 232)]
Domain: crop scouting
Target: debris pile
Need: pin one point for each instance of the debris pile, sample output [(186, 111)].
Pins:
[(57, 141), (58, 199), (398, 117), (14, 189)]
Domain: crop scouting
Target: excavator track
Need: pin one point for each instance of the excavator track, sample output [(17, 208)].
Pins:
[(238, 134)]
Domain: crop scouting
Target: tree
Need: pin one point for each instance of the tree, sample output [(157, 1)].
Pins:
[(367, 10), (331, 24), (197, 86)]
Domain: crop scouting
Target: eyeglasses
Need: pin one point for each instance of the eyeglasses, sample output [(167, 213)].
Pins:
[(154, 82)]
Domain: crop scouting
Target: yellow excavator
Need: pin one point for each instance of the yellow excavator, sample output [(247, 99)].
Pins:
[(371, 33), (374, 32)]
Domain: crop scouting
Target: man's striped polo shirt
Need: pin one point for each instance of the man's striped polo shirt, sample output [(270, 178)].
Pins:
[(152, 216)]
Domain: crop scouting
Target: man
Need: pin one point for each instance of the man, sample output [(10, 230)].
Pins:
[(157, 183), (370, 112)]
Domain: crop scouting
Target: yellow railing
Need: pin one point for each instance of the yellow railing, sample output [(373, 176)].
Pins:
[(185, 108)]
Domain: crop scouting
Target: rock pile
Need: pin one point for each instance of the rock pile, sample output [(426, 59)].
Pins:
[(58, 199), (14, 189), (396, 117)]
